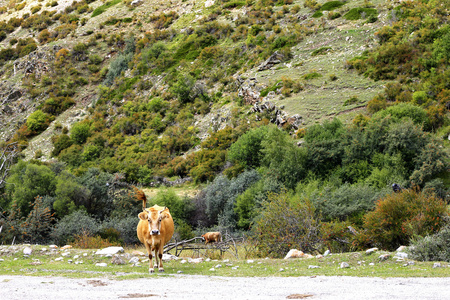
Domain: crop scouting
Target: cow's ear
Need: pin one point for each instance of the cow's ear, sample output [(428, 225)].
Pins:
[(164, 213), (143, 216)]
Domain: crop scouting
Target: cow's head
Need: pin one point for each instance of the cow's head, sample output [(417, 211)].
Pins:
[(154, 218)]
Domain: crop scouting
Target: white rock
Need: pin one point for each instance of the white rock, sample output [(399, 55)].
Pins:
[(401, 248), (101, 264), (133, 260), (371, 250), (250, 261), (313, 267), (212, 269), (53, 247), (110, 251), (294, 253), (169, 257), (59, 259), (218, 266), (326, 253), (27, 251), (209, 3), (437, 265), (401, 255), (344, 265)]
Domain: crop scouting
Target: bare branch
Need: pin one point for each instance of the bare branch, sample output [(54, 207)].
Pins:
[(7, 155)]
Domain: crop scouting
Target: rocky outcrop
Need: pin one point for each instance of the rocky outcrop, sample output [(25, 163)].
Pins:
[(274, 59), (277, 115)]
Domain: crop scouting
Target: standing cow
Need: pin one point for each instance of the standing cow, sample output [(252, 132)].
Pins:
[(154, 230), (210, 237)]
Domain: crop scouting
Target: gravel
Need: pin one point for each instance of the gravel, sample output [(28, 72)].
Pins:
[(158, 286)]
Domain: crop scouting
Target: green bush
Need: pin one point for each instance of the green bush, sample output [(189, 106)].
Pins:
[(360, 13), (77, 223), (286, 223), (432, 247), (101, 9), (38, 121), (246, 151), (80, 132), (398, 217), (60, 143), (401, 111)]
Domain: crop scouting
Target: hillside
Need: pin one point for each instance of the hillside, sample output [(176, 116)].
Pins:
[(320, 98), (326, 121)]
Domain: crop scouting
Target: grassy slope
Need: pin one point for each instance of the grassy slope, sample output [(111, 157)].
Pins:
[(321, 98)]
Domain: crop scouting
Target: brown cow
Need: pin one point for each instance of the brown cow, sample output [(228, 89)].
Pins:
[(154, 230), (210, 237)]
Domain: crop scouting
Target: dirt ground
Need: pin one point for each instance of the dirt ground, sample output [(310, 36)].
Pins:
[(217, 288)]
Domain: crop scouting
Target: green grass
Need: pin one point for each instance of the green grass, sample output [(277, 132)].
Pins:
[(101, 9), (361, 265)]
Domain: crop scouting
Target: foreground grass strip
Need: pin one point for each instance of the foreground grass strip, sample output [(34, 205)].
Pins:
[(76, 264)]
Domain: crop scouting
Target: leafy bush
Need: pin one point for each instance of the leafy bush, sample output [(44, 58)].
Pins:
[(337, 236), (80, 132), (246, 150), (401, 111), (286, 223), (360, 13), (101, 9), (346, 202), (77, 223), (401, 216), (432, 247), (38, 121)]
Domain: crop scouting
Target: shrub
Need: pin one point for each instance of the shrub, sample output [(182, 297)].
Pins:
[(400, 216), (38, 121), (37, 226), (360, 13), (347, 202), (85, 240), (285, 223), (432, 247), (77, 223), (401, 111), (337, 236), (246, 150), (80, 132)]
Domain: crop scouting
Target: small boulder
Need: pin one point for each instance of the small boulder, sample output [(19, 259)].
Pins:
[(110, 251), (101, 264), (117, 260), (27, 251), (344, 265), (371, 250), (294, 253)]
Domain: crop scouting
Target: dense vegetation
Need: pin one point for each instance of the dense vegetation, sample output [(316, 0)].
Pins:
[(252, 176)]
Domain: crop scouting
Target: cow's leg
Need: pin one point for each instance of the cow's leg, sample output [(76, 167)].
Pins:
[(160, 255), (156, 258), (150, 257)]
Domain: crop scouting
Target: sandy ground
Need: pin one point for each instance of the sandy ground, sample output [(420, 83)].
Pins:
[(218, 288)]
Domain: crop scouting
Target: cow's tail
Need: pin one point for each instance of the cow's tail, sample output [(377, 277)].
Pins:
[(140, 196)]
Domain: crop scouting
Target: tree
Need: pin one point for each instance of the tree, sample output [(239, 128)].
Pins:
[(28, 181), (247, 149), (284, 160)]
